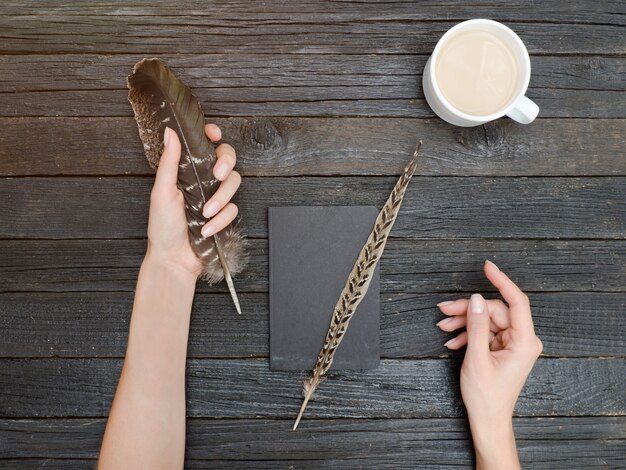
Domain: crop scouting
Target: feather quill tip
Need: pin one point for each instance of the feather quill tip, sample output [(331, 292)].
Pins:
[(295, 426), (302, 408), (233, 292), (309, 387), (236, 259)]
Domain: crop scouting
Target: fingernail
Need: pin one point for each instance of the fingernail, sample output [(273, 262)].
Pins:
[(166, 136), (447, 302), (211, 209), (220, 171), (477, 304), (444, 321), (492, 264), (208, 230), (449, 342)]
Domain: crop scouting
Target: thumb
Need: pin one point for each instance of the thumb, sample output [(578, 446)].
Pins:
[(477, 327), (167, 171)]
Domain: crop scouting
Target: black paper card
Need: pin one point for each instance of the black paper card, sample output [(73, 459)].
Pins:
[(312, 251)]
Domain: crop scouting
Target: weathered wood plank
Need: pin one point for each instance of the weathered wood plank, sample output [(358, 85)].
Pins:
[(241, 76), (439, 207), (599, 455), (596, 104), (94, 324), (381, 443), (84, 85), (295, 101), (294, 33), (57, 464), (413, 266), (324, 11), (329, 146), (589, 458), (246, 389)]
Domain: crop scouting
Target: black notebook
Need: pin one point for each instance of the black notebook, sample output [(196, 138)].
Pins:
[(312, 251)]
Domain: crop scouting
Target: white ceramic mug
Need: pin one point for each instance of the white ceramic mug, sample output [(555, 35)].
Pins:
[(520, 109)]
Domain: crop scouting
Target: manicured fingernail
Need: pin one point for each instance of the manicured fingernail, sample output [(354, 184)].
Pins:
[(208, 230), (220, 171), (492, 264), (477, 304), (211, 209), (166, 136), (448, 343), (447, 302), (445, 321)]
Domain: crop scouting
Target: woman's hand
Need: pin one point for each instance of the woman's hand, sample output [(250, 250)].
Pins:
[(501, 350), (167, 226)]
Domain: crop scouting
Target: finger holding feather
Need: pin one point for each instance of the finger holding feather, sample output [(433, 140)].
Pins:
[(226, 159), (213, 132), (221, 220), (223, 195)]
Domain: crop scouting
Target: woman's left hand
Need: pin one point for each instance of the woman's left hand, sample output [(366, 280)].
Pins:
[(501, 350)]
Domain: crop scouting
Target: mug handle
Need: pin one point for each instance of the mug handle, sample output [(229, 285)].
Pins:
[(525, 111)]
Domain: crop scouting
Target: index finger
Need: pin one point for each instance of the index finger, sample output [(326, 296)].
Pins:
[(521, 318)]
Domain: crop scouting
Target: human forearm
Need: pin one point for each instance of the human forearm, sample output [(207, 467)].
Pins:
[(494, 444), (146, 427)]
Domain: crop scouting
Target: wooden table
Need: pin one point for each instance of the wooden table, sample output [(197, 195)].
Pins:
[(323, 102)]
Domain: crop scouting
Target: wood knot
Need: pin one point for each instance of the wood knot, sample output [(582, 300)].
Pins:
[(261, 134), (489, 135), (591, 67)]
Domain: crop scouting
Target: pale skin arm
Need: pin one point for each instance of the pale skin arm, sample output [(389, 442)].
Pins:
[(501, 350), (146, 425)]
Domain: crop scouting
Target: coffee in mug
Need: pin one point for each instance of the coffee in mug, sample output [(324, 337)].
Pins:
[(478, 72)]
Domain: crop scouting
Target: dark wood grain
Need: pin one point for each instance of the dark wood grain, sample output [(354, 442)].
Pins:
[(84, 85), (324, 11), (294, 33), (245, 388), (58, 464), (379, 443), (593, 455), (329, 146), (294, 101), (241, 76), (412, 266), (433, 207), (95, 324)]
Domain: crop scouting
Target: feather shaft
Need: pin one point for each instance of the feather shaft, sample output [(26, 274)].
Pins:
[(227, 276), (358, 282)]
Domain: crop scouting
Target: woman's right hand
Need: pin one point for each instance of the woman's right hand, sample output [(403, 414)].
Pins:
[(501, 350), (168, 240)]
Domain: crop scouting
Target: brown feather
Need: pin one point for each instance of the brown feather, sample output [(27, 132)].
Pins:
[(358, 283), (159, 100)]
